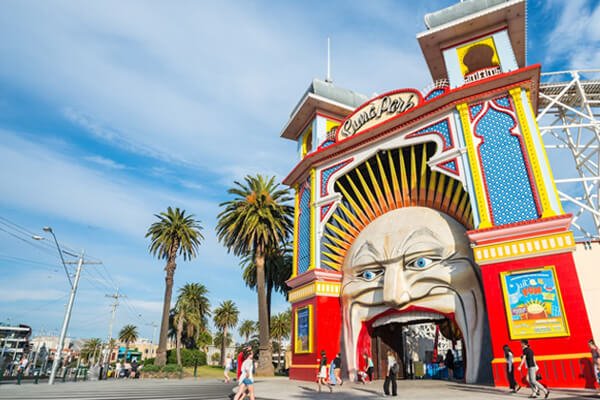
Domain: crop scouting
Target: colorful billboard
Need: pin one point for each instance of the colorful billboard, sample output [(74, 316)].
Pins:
[(533, 304)]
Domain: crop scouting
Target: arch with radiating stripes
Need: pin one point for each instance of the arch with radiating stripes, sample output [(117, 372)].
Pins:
[(389, 180)]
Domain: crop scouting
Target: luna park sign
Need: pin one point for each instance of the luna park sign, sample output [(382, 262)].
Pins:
[(378, 110)]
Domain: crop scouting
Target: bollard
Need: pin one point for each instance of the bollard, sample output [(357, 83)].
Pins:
[(64, 378), (76, 373), (19, 376), (195, 368), (37, 378), (85, 374)]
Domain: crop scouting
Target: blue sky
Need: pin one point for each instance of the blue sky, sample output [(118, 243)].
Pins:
[(112, 111)]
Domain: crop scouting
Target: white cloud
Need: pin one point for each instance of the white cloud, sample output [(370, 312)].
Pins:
[(575, 40), (105, 162), (39, 180)]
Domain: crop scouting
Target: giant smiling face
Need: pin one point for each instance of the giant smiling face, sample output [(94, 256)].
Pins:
[(412, 263)]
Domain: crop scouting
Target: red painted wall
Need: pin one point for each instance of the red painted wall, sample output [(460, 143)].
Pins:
[(326, 336), (574, 372)]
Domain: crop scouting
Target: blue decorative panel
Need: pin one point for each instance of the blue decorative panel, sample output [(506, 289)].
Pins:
[(503, 102), (326, 174), (327, 143), (476, 109), (304, 229), (450, 165), (504, 169), (434, 93), (441, 129)]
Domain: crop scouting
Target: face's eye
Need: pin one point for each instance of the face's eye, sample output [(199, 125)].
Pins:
[(420, 263), (370, 274)]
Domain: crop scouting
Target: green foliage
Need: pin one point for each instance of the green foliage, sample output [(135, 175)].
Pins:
[(188, 357), (148, 361), (175, 231), (215, 357), (226, 315), (172, 368), (218, 340), (247, 329), (128, 334), (151, 367), (257, 218)]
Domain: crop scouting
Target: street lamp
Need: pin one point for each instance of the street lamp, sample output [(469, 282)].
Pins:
[(65, 325), (60, 253)]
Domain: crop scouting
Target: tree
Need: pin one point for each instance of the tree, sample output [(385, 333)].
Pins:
[(280, 329), (247, 329), (278, 269), (173, 234), (225, 316), (128, 334), (90, 348), (255, 220), (218, 340), (191, 311)]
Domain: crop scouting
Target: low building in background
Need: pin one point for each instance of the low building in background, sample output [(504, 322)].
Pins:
[(14, 342)]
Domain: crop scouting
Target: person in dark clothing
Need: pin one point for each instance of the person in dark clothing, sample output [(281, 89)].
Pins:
[(369, 364), (134, 369), (510, 369), (528, 359), (392, 370), (322, 375), (449, 362), (337, 368)]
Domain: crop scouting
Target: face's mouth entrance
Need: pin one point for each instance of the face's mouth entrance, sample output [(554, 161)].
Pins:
[(410, 333)]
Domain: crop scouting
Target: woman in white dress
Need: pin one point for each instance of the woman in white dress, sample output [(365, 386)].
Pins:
[(227, 366), (322, 376), (246, 380)]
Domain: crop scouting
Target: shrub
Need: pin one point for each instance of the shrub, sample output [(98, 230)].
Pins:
[(216, 357), (171, 368), (189, 357), (148, 361), (151, 368)]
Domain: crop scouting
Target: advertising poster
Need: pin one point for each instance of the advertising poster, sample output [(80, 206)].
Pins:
[(533, 304), (302, 333)]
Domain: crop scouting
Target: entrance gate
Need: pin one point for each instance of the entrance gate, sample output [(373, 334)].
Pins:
[(437, 206)]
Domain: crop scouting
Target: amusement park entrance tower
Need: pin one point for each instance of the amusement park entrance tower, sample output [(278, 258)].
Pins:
[(436, 207)]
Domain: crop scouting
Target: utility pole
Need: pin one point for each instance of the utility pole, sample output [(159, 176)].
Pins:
[(154, 325), (67, 319), (114, 306)]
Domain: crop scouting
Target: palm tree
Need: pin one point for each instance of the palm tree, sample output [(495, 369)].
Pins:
[(256, 219), (127, 335), (218, 340), (280, 329), (173, 234), (278, 269), (191, 310), (225, 316), (90, 348), (247, 329)]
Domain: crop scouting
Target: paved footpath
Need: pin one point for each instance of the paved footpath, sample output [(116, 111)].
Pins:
[(265, 389), (185, 389)]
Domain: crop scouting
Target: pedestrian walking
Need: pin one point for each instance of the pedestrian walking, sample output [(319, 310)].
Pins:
[(337, 368), (370, 366), (528, 359), (449, 362), (134, 369), (118, 368), (227, 365), (246, 379), (392, 371), (240, 361), (322, 376), (510, 369), (595, 360)]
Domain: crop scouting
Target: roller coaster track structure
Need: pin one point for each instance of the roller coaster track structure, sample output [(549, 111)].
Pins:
[(569, 120)]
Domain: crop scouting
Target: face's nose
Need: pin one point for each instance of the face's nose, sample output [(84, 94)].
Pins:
[(395, 288)]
